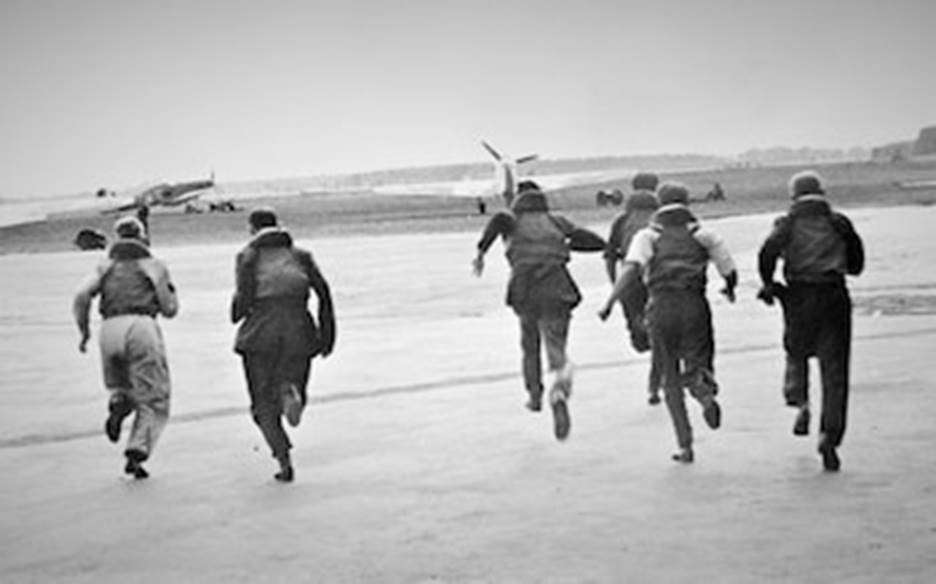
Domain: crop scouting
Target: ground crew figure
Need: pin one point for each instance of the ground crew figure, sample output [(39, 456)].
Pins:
[(143, 214), (541, 290), (278, 337), (673, 253), (640, 206), (134, 288), (818, 247)]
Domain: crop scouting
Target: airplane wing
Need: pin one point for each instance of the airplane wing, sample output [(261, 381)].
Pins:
[(462, 188), (30, 211), (120, 208), (485, 188), (187, 197)]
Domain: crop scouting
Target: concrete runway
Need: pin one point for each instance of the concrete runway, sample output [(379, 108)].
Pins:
[(418, 463)]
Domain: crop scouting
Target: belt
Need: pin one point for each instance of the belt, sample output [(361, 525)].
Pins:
[(132, 312)]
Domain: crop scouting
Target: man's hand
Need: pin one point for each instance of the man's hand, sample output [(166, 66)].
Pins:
[(605, 311), (83, 344), (731, 282), (766, 294), (477, 265), (728, 293)]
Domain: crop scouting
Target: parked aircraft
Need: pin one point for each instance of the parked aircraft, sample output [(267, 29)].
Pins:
[(166, 195), (104, 202), (505, 172)]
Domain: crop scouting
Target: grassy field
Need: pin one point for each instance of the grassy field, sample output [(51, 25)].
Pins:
[(748, 190)]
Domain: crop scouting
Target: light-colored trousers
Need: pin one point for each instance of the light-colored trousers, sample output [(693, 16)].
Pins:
[(135, 369)]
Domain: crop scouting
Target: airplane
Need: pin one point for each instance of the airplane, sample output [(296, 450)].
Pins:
[(505, 172), (506, 179), (166, 195), (16, 212)]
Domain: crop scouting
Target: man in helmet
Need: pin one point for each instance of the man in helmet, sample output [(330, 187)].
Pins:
[(277, 337), (819, 248), (134, 288), (673, 254), (641, 205), (541, 290)]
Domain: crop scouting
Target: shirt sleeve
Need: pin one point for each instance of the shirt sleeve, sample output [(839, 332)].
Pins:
[(326, 307), (854, 248), (641, 247), (719, 254), (501, 223), (81, 306), (614, 251), (772, 248), (158, 274)]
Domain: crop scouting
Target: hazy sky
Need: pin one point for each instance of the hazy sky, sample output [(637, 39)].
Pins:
[(120, 92)]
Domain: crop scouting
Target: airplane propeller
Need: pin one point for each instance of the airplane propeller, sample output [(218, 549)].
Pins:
[(490, 149)]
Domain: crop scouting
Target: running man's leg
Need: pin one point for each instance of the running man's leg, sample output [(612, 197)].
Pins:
[(113, 334), (555, 330), (698, 351), (260, 370), (654, 379), (802, 312), (532, 367), (833, 347), (634, 305), (664, 319), (293, 376), (150, 385)]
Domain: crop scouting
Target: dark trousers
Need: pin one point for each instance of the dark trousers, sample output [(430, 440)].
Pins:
[(266, 374), (683, 345), (634, 306), (542, 327), (817, 323)]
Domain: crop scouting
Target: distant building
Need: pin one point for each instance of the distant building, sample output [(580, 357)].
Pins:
[(925, 144), (893, 152)]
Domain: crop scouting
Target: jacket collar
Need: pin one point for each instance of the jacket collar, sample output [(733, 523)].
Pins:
[(271, 237), (674, 214), (530, 202), (127, 248), (810, 205)]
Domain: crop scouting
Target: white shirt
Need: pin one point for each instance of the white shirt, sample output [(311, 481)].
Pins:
[(640, 250)]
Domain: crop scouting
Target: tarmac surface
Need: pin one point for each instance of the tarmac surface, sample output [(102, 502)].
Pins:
[(416, 461)]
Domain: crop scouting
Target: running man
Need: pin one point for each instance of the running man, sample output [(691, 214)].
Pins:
[(640, 206), (277, 337), (541, 290), (134, 288), (819, 247), (673, 254)]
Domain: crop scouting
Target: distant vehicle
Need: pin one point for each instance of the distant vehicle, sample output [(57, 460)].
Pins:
[(88, 239), (166, 195), (612, 198), (216, 206), (716, 194)]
